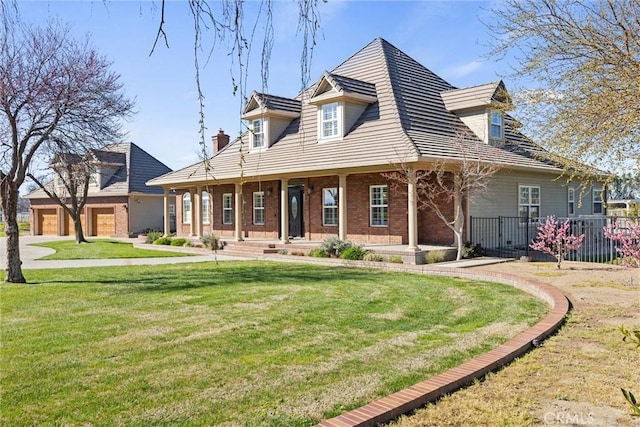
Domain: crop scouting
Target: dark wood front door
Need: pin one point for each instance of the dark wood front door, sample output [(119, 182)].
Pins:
[(295, 212)]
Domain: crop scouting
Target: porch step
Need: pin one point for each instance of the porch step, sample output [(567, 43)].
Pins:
[(249, 247)]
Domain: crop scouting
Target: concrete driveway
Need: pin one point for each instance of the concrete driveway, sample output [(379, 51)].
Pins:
[(30, 255)]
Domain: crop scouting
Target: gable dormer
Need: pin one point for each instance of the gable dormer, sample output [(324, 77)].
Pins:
[(340, 101), (267, 117), (481, 108)]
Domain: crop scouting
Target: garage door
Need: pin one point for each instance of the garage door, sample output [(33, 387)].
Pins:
[(48, 222), (104, 222)]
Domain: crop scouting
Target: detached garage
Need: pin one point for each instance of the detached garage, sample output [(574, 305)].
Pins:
[(119, 202)]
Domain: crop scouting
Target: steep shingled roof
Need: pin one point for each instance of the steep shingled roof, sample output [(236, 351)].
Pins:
[(408, 121), (133, 168), (273, 102)]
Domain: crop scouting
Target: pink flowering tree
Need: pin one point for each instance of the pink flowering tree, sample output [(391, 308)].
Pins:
[(628, 239), (555, 238)]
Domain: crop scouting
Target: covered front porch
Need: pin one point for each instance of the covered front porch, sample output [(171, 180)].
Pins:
[(365, 207)]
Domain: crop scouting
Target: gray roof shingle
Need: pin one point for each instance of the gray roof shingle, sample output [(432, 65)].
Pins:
[(409, 121)]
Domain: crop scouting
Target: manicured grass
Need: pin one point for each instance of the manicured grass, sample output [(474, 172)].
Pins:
[(102, 249), (23, 229), (237, 343)]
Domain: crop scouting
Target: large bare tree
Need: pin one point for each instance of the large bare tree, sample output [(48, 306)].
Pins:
[(54, 90), (583, 57), (449, 185)]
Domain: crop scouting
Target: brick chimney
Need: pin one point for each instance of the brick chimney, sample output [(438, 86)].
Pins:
[(219, 141)]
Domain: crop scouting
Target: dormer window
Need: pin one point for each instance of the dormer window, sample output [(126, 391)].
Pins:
[(330, 124), (257, 134), (94, 178), (496, 128)]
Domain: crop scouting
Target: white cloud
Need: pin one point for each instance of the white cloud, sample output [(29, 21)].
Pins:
[(465, 69)]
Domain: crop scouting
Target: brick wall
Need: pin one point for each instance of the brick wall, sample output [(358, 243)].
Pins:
[(431, 230)]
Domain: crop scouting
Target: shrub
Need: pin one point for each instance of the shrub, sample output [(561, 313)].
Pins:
[(211, 241), (283, 252), (374, 257), (24, 226), (555, 238), (433, 257), (179, 242), (162, 241), (152, 236), (318, 253), (333, 246), (628, 243), (354, 253), (469, 250), (396, 259)]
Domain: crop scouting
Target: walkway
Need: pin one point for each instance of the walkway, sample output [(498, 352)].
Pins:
[(30, 255)]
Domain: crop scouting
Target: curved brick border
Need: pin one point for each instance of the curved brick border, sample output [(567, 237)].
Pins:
[(388, 408)]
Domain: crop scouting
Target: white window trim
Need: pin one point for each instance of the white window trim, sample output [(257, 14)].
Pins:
[(491, 124), (332, 207), (539, 204), (571, 201), (186, 212), (339, 117), (594, 202), (264, 124), (206, 207), (227, 209), (372, 206), (257, 208)]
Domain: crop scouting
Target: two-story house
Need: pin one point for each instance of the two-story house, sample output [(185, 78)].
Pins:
[(314, 165)]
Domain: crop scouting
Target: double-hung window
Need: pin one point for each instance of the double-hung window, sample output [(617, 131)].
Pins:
[(379, 205), (598, 206), (227, 208), (330, 206), (206, 208), (186, 208), (529, 203), (257, 133), (258, 208), (571, 201), (496, 123), (329, 123)]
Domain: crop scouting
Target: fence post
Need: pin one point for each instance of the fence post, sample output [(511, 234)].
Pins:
[(526, 245)]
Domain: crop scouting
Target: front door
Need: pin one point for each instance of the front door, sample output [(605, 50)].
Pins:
[(295, 212)]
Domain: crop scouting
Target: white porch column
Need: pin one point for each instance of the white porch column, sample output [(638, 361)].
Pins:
[(284, 210), (412, 211), (342, 206), (197, 211), (167, 214), (192, 223), (238, 212)]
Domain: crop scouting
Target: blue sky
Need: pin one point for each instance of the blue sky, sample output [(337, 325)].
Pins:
[(447, 37)]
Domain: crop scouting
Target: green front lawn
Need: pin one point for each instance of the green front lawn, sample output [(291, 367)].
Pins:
[(102, 249), (235, 344)]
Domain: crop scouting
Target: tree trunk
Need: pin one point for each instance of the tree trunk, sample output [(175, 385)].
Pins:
[(10, 208), (77, 225)]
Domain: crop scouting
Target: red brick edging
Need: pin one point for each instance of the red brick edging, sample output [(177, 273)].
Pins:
[(388, 408)]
